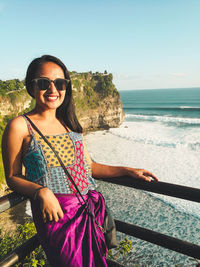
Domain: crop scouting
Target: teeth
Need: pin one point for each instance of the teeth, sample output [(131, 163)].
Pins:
[(52, 97)]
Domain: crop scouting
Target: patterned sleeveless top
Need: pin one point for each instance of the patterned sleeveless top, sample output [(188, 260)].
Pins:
[(42, 166)]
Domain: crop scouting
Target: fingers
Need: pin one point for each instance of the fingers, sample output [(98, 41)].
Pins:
[(154, 177), (44, 216), (50, 207), (145, 175), (146, 178), (60, 214), (141, 174), (50, 217), (54, 216), (57, 216), (151, 175)]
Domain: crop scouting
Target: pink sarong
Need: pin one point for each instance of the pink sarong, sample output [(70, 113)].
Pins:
[(75, 240)]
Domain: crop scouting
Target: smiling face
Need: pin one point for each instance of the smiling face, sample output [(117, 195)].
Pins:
[(50, 98)]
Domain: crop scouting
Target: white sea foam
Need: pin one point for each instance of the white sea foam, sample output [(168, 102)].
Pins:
[(137, 145), (166, 119), (158, 134), (189, 107)]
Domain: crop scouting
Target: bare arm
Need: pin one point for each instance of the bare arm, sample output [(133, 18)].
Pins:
[(12, 142), (12, 147), (106, 171)]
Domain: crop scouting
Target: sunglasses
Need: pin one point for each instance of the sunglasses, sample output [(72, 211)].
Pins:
[(44, 83)]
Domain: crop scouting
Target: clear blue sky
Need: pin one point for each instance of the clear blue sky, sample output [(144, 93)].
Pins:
[(144, 43)]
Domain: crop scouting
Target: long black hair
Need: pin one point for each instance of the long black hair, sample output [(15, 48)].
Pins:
[(66, 112)]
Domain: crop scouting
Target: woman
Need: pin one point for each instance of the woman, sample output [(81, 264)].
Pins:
[(68, 234)]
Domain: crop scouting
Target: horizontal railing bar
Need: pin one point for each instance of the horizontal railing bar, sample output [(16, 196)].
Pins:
[(159, 239), (10, 200), (173, 190), (20, 252)]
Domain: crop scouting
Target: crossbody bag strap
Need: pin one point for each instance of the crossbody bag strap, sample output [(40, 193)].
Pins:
[(64, 168)]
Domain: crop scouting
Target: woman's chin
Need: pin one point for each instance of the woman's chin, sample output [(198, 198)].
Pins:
[(48, 106)]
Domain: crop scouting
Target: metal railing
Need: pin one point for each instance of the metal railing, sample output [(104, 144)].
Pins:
[(178, 191)]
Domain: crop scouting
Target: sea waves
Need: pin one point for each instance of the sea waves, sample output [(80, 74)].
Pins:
[(159, 134), (171, 108), (179, 121)]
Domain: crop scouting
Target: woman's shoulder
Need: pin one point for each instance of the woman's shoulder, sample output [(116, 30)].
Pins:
[(18, 125)]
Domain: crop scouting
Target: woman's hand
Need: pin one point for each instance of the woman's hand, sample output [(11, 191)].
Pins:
[(50, 207), (141, 174)]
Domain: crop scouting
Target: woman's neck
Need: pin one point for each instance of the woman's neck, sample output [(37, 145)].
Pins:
[(47, 115), (47, 122)]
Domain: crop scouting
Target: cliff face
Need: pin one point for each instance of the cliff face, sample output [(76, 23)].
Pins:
[(97, 101), (19, 103), (109, 114)]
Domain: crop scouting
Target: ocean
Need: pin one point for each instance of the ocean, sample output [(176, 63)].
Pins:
[(161, 133)]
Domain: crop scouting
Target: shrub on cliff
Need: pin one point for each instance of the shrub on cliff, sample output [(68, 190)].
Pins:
[(90, 88), (10, 85)]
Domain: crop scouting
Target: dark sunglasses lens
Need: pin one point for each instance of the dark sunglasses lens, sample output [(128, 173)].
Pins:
[(43, 84), (61, 84)]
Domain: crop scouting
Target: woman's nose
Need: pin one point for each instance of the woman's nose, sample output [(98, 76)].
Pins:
[(52, 87)]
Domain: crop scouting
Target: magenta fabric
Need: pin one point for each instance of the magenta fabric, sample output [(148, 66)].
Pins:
[(75, 240)]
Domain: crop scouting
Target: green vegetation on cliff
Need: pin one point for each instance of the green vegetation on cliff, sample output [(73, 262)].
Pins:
[(10, 85), (90, 88)]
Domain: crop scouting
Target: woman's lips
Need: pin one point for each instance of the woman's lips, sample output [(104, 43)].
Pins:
[(51, 98)]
